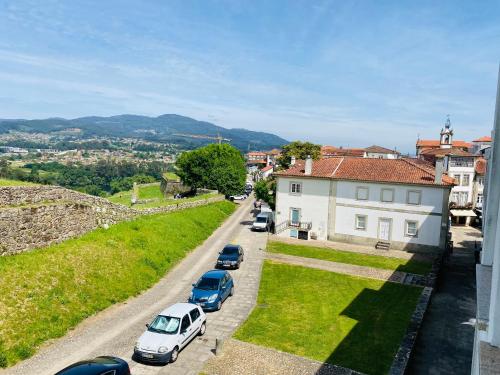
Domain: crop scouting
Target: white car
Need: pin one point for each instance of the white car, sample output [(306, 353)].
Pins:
[(169, 332), (238, 197)]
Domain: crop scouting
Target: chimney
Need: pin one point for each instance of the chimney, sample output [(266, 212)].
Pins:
[(438, 178), (292, 160), (308, 166)]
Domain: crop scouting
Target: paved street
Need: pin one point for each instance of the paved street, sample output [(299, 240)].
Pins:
[(115, 330)]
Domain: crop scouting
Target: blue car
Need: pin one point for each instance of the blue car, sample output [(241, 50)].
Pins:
[(212, 289)]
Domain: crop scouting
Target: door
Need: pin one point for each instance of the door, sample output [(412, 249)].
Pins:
[(186, 331), (195, 318), (295, 216), (384, 229)]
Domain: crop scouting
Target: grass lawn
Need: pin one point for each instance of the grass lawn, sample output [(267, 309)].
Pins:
[(46, 292), (405, 265), (349, 321), (152, 192), (5, 182), (171, 176)]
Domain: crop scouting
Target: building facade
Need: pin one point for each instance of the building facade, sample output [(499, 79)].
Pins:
[(362, 200)]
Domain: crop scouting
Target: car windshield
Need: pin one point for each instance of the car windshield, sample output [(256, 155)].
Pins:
[(230, 250), (164, 324), (261, 219), (208, 283)]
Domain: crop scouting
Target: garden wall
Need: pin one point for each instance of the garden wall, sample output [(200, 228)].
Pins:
[(37, 216)]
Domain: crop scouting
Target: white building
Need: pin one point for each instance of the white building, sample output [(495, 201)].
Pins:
[(364, 200), (486, 354), (481, 144), (379, 152)]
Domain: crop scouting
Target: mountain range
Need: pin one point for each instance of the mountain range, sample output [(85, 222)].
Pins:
[(168, 128)]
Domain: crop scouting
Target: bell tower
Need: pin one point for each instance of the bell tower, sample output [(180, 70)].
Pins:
[(446, 140)]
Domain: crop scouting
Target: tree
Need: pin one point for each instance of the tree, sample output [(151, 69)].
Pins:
[(266, 191), (300, 150), (214, 166)]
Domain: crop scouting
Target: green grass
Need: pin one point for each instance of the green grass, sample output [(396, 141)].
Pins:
[(5, 182), (46, 292), (404, 265), (169, 202), (345, 320), (171, 176)]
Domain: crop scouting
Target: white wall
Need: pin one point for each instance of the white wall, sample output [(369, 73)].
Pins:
[(313, 203), (399, 211), (378, 155), (452, 171)]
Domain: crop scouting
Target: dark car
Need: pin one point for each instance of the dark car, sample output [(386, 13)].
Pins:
[(212, 289), (230, 257), (98, 366)]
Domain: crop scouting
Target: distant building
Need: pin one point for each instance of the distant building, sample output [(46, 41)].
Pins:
[(445, 141), (365, 200), (478, 185), (331, 151), (480, 144), (379, 152), (266, 171)]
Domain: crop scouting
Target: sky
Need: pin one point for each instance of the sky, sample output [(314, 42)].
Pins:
[(344, 73)]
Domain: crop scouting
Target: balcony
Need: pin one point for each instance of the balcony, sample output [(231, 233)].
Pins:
[(288, 224)]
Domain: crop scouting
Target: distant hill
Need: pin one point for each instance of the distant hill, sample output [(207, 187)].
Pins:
[(162, 128)]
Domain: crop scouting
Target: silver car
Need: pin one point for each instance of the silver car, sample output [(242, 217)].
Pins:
[(169, 332)]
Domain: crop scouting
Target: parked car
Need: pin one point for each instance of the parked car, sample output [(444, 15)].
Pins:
[(263, 222), (212, 289), (238, 197), (230, 257), (103, 365), (169, 332)]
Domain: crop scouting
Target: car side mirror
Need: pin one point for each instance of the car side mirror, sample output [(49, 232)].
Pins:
[(147, 325), (193, 284)]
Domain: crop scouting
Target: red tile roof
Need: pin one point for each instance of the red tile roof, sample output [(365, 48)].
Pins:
[(329, 151), (399, 171), (380, 150), (435, 143), (257, 161), (483, 139), (265, 169), (445, 151), (256, 153), (480, 166)]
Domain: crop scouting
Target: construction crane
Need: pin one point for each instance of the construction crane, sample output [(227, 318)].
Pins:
[(219, 138)]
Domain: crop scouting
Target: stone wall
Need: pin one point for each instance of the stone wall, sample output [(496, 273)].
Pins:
[(37, 216)]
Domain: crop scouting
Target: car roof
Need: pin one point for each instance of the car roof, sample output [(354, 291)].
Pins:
[(94, 366), (178, 310), (231, 245), (215, 274)]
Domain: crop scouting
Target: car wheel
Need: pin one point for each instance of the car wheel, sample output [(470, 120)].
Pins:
[(203, 328), (231, 292), (174, 355), (219, 305)]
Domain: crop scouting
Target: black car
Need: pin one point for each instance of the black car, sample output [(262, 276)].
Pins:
[(98, 366), (230, 257)]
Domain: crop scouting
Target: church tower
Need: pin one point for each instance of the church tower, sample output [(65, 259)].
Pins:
[(446, 140)]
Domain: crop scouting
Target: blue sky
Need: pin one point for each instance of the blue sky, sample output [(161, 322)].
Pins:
[(351, 73)]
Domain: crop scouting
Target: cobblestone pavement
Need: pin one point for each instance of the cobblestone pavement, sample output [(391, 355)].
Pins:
[(241, 358), (347, 269), (355, 248), (446, 337), (115, 330)]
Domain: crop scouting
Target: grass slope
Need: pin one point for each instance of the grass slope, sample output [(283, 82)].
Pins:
[(404, 265), (48, 291), (5, 182), (349, 321)]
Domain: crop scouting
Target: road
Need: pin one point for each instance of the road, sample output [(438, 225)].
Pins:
[(115, 330)]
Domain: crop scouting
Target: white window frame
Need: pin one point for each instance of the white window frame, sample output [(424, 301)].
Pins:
[(409, 192), (358, 189), (407, 233), (464, 177), (293, 188), (458, 177), (382, 195), (356, 222)]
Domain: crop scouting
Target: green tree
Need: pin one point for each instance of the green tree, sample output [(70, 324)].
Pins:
[(300, 150), (214, 166), (266, 191)]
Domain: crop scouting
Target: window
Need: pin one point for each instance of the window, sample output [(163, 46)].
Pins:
[(414, 197), (195, 314), (362, 193), (480, 198), (294, 233), (454, 197), (463, 198), (387, 195), (462, 162), (480, 180), (361, 222), (411, 228), (457, 178), (295, 187), (465, 180), (185, 323)]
